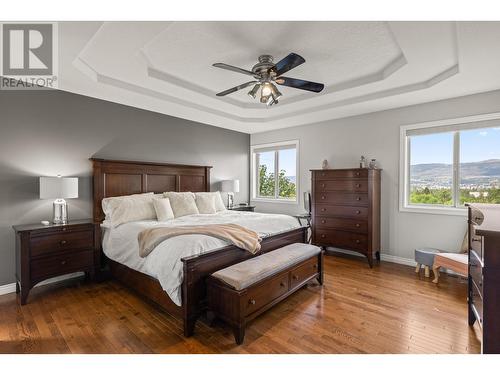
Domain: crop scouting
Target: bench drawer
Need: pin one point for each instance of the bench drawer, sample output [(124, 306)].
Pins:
[(259, 296), (301, 273)]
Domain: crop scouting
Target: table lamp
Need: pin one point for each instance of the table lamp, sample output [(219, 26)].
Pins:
[(59, 188), (230, 187)]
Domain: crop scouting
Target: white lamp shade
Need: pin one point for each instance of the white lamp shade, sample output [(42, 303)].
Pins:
[(230, 186), (58, 187)]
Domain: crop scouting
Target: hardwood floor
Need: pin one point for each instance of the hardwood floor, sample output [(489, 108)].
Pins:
[(387, 309)]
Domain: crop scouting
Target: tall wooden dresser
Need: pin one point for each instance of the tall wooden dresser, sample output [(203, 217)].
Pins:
[(346, 210), (484, 273)]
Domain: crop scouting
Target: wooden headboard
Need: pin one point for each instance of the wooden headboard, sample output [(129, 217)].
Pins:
[(113, 178)]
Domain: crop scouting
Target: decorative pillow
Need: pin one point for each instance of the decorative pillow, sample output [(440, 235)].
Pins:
[(182, 203), (124, 209), (219, 204), (163, 209), (205, 204)]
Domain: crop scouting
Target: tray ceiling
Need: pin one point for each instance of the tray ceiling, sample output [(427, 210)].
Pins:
[(366, 66)]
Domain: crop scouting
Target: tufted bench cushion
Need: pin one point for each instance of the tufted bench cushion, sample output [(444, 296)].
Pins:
[(251, 271)]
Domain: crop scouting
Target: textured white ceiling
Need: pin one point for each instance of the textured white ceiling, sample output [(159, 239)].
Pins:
[(365, 66)]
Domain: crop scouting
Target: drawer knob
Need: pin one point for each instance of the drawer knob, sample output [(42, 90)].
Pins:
[(323, 209), (64, 229), (358, 198), (63, 262), (323, 221), (282, 284), (295, 277), (357, 173), (357, 225), (315, 266), (358, 185), (323, 197), (63, 242), (323, 236), (251, 302), (358, 212), (322, 185), (357, 241), (323, 174)]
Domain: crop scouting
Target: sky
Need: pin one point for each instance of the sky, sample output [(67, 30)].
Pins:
[(475, 145), (287, 161)]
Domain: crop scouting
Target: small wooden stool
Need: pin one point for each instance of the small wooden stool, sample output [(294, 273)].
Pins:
[(425, 257)]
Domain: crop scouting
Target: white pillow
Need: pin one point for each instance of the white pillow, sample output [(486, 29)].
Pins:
[(205, 204), (182, 203), (124, 209), (219, 204), (163, 209)]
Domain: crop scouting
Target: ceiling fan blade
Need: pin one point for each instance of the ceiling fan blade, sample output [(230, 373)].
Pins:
[(291, 61), (234, 89), (234, 69), (300, 84)]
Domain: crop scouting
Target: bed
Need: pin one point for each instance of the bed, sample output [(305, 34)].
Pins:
[(178, 285)]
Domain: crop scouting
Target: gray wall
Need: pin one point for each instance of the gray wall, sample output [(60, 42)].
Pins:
[(376, 135), (48, 133)]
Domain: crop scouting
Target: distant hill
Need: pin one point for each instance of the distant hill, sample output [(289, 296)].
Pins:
[(471, 173)]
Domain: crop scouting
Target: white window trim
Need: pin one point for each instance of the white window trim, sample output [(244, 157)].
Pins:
[(404, 171), (253, 171)]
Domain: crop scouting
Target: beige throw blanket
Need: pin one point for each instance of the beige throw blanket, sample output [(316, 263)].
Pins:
[(236, 234)]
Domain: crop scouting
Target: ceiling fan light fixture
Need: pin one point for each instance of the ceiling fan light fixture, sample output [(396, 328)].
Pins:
[(276, 93), (253, 92), (264, 99), (267, 89)]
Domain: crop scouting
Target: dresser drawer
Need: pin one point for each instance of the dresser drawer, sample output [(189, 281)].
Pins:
[(351, 185), (60, 264), (476, 243), (476, 271), (352, 225), (303, 272), (61, 241), (346, 199), (340, 173), (477, 303), (326, 210), (341, 239), (259, 296)]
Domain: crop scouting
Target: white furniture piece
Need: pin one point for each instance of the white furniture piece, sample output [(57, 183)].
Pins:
[(230, 187), (59, 188)]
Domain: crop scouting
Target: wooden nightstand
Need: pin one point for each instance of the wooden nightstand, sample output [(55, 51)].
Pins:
[(242, 208), (45, 251)]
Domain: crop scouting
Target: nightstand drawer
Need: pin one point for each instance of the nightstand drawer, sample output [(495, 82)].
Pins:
[(60, 264), (55, 242)]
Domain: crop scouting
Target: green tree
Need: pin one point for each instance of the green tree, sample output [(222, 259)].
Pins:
[(287, 188)]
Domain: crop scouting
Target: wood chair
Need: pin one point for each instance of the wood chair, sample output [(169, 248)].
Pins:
[(457, 262)]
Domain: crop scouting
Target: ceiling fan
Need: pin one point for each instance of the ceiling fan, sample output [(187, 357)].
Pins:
[(266, 74)]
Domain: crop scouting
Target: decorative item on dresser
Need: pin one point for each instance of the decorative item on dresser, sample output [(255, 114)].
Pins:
[(46, 251), (346, 210), (484, 273)]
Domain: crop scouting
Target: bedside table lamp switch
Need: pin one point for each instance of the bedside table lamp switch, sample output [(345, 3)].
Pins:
[(230, 187), (59, 188)]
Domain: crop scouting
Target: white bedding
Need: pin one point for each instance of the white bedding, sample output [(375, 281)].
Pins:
[(164, 263)]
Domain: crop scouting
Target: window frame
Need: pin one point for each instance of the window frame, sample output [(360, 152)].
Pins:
[(404, 163), (254, 149)]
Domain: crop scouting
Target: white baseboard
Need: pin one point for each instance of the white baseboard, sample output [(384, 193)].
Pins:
[(11, 288)]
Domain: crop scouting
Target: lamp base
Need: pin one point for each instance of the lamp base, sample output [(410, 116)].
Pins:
[(230, 200), (60, 212)]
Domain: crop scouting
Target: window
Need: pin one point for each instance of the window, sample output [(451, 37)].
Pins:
[(449, 163), (274, 172)]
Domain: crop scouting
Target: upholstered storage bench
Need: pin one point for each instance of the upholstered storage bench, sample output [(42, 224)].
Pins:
[(241, 292)]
